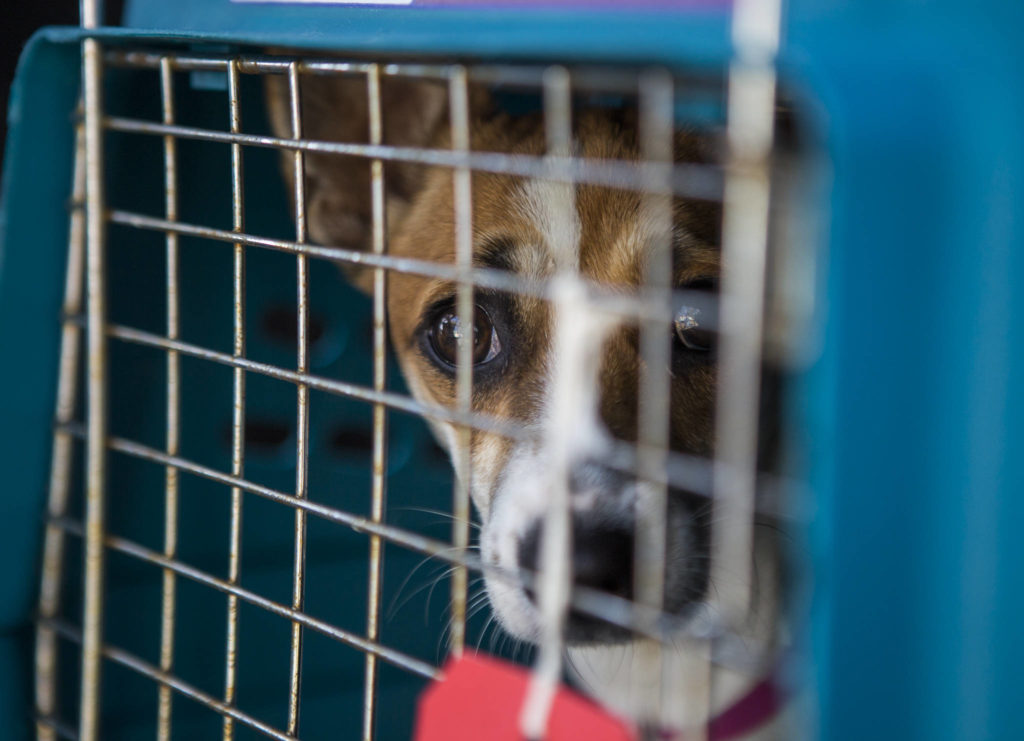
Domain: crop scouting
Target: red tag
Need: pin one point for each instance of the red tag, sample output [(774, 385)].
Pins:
[(480, 699)]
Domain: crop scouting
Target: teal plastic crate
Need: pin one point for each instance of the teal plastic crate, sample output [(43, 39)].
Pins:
[(909, 413)]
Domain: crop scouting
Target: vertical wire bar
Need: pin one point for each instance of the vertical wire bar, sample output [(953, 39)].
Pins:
[(572, 335), (96, 443), (173, 406), (302, 413), (696, 686), (458, 101), (557, 103), (656, 141), (91, 13), (750, 110), (238, 396), (378, 492), (751, 116), (62, 454), (656, 130)]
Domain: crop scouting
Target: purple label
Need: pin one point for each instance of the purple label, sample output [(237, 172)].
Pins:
[(581, 4), (510, 4)]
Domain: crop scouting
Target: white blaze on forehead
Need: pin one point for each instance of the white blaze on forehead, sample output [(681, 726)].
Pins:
[(567, 431), (551, 208)]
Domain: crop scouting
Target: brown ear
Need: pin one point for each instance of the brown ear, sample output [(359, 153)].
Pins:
[(338, 196)]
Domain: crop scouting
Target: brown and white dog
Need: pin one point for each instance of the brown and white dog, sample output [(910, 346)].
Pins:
[(517, 225)]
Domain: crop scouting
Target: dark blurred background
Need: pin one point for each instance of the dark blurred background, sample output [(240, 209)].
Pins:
[(20, 21)]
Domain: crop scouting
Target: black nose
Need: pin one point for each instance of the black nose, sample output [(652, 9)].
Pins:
[(602, 557)]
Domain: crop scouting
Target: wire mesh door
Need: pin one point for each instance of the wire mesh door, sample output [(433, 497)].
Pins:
[(155, 256)]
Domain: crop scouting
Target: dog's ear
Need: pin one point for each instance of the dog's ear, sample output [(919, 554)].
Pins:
[(338, 196)]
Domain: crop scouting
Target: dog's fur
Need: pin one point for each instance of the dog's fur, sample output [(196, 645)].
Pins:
[(517, 223)]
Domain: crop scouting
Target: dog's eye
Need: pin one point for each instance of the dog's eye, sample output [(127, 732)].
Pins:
[(689, 324), (446, 331), (688, 329)]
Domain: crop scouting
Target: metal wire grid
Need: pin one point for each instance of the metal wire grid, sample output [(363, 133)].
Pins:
[(730, 478)]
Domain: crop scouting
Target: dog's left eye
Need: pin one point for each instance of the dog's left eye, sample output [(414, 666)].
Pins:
[(445, 332)]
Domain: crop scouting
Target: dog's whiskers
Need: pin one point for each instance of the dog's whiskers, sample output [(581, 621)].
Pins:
[(483, 633), (445, 516), (476, 603), (392, 609)]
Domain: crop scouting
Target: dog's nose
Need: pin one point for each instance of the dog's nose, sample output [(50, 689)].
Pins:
[(602, 557)]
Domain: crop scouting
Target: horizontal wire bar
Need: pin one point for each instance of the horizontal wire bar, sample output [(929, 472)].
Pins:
[(61, 729), (696, 181), (156, 558), (639, 304), (588, 78), (692, 473), (398, 536), (341, 388), (615, 610), (126, 659)]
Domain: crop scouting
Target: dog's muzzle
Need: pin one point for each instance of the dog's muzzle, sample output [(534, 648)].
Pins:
[(603, 544)]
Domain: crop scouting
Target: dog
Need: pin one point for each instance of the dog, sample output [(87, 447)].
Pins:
[(518, 225)]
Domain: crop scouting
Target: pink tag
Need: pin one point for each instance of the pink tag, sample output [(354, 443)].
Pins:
[(481, 697)]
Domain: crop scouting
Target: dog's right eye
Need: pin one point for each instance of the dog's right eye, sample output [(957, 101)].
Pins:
[(689, 322), (689, 332), (445, 331)]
